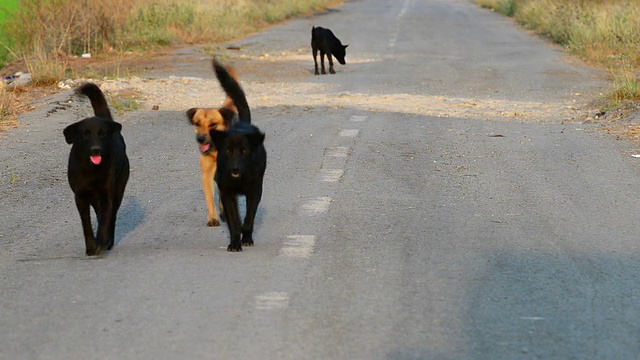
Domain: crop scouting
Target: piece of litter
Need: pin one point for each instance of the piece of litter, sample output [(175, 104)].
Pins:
[(636, 155)]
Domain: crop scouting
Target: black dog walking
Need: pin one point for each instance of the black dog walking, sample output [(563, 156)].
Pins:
[(324, 41), (98, 170), (242, 160)]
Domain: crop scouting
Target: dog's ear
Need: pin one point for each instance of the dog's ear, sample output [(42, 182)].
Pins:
[(116, 127), (71, 132), (227, 115), (345, 46), (190, 113), (218, 138), (255, 139)]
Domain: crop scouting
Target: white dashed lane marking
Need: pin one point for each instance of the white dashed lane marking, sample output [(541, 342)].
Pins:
[(358, 118), (331, 175), (349, 133), (317, 206), (300, 246), (337, 151), (272, 301)]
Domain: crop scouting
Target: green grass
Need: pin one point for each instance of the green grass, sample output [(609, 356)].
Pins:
[(7, 10), (127, 101)]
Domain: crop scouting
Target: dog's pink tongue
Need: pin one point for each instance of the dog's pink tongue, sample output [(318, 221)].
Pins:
[(96, 159), (204, 148)]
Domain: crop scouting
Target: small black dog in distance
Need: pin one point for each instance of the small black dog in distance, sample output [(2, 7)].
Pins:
[(324, 41), (98, 170), (242, 160)]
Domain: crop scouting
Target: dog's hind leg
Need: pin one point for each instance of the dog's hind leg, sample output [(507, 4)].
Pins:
[(91, 246), (122, 183), (230, 203), (208, 169), (114, 216), (223, 216)]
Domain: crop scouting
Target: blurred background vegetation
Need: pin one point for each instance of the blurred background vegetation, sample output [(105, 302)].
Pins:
[(44, 32), (46, 37), (7, 10)]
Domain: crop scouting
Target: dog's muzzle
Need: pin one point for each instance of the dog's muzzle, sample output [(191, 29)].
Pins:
[(204, 146)]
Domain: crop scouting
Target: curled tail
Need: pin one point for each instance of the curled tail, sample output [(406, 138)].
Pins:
[(228, 81), (98, 102)]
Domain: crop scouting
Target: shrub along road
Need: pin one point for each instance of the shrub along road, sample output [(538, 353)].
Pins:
[(439, 197)]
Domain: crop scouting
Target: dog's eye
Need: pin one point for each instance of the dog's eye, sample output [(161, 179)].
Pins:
[(244, 151), (86, 134), (102, 133), (212, 126), (229, 151)]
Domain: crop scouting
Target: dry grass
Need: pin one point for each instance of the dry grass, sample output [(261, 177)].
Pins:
[(48, 36), (6, 106), (44, 33), (74, 27)]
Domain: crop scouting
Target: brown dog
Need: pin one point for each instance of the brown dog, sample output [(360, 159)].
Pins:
[(204, 120)]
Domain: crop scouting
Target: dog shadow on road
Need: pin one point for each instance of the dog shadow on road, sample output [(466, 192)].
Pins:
[(131, 215)]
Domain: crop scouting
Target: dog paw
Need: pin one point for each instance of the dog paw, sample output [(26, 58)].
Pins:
[(234, 248), (332, 71), (213, 222), (247, 241), (97, 251)]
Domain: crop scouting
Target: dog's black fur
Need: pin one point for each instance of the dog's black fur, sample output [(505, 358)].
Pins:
[(98, 170), (242, 160), (324, 41)]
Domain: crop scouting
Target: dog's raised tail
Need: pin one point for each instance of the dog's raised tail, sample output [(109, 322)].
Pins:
[(98, 102), (232, 88)]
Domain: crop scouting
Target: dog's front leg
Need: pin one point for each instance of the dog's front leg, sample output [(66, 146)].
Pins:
[(230, 203), (91, 246), (208, 170), (106, 221), (329, 58), (252, 207)]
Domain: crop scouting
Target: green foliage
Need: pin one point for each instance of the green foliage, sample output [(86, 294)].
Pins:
[(7, 10), (627, 87), (504, 7), (155, 24)]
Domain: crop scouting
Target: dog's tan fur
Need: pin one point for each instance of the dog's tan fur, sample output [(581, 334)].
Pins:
[(204, 120)]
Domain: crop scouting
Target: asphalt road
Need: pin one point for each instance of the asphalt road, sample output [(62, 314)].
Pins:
[(438, 198)]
